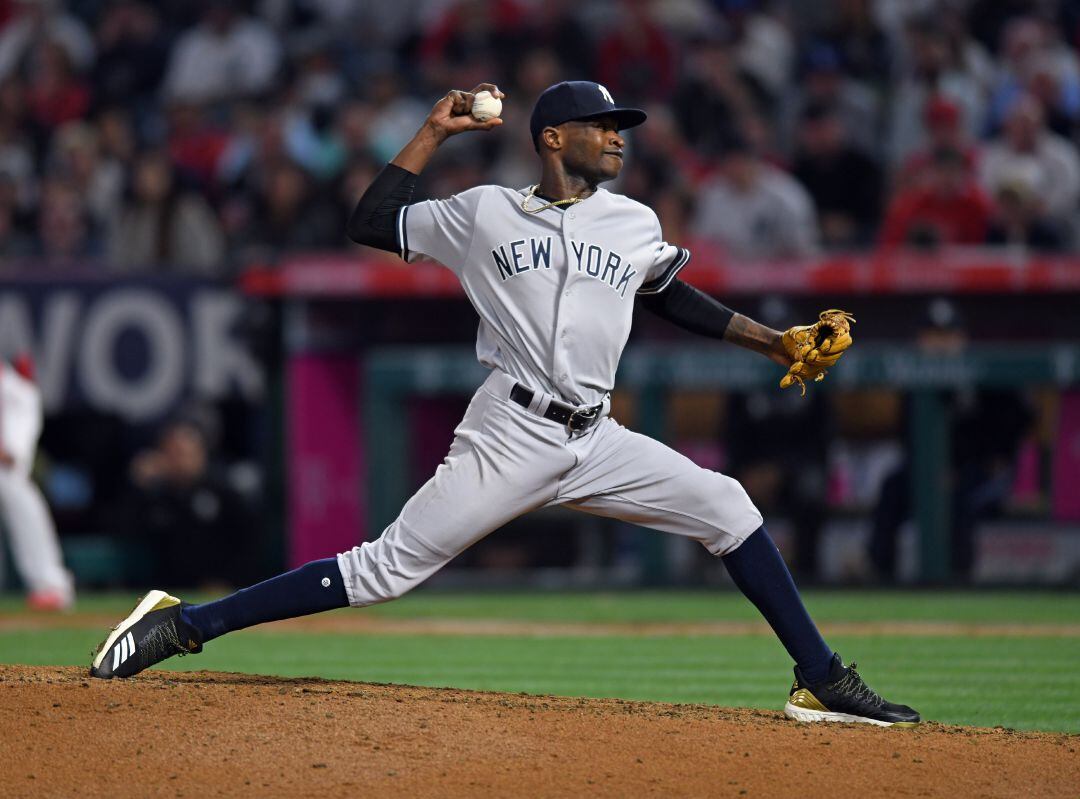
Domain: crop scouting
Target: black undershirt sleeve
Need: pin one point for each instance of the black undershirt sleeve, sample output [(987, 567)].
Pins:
[(374, 221), (691, 309)]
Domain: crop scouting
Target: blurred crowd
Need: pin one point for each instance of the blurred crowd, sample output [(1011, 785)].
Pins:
[(203, 136)]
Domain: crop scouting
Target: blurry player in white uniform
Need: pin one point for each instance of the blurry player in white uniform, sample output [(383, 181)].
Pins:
[(24, 514)]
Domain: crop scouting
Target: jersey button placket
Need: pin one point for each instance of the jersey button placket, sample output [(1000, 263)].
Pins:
[(560, 361)]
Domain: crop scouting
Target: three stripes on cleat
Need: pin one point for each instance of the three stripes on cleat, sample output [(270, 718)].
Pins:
[(123, 649)]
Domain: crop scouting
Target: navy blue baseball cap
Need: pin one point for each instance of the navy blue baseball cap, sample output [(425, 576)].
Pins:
[(579, 99)]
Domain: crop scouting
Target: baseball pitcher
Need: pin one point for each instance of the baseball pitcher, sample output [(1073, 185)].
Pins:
[(553, 271)]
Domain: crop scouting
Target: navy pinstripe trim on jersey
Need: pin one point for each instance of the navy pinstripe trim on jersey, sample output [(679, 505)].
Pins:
[(657, 285), (403, 233)]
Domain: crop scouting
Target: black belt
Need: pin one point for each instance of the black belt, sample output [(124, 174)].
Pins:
[(575, 419)]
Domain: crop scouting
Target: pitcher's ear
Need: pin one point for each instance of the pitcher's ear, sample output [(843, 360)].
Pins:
[(552, 137)]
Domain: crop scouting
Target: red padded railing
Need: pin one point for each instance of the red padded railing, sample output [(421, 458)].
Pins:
[(992, 271)]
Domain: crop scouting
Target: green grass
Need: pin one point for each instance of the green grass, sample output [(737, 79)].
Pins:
[(1018, 682), (1008, 607)]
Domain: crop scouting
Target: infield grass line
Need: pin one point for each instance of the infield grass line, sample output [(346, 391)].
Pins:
[(986, 680), (749, 671), (717, 605)]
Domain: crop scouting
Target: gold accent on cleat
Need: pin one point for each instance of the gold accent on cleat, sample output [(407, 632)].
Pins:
[(165, 602), (802, 698)]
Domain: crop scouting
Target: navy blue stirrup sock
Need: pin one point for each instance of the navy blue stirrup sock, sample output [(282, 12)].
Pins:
[(312, 588), (763, 577)]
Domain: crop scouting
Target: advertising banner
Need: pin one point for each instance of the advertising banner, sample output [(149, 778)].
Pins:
[(136, 348)]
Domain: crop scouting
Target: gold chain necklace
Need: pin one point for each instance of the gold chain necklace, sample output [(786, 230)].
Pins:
[(532, 192)]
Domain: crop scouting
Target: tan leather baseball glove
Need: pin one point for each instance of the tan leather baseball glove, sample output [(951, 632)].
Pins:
[(815, 348)]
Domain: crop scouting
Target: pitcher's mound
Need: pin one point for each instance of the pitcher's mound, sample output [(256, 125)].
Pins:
[(205, 734)]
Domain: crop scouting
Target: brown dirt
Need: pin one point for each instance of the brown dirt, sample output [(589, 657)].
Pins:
[(203, 734)]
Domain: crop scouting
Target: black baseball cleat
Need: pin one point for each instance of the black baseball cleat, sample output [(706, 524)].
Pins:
[(152, 632), (844, 697)]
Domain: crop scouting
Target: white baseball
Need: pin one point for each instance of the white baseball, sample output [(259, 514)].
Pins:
[(486, 106)]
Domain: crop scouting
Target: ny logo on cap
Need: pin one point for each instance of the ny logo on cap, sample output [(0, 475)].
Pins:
[(606, 93)]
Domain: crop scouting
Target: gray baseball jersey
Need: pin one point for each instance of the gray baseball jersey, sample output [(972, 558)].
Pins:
[(554, 290)]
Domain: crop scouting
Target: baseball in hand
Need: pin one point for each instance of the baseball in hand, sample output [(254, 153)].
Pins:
[(486, 106)]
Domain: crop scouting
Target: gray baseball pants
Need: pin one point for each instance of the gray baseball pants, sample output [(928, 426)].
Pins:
[(506, 460)]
